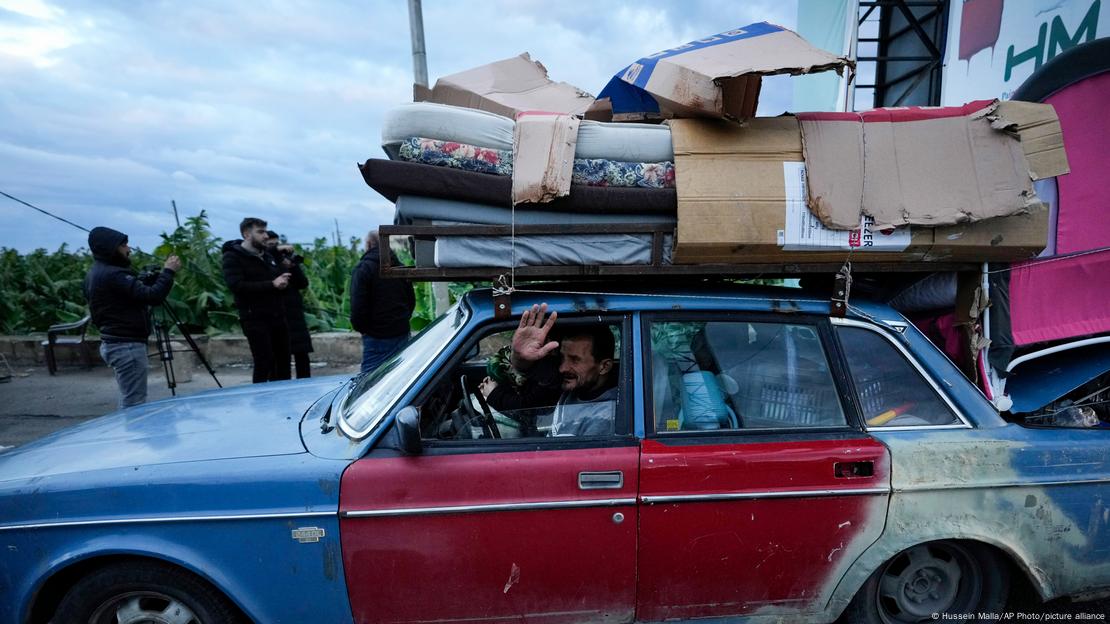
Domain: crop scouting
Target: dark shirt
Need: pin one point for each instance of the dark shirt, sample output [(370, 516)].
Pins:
[(250, 277), (380, 307)]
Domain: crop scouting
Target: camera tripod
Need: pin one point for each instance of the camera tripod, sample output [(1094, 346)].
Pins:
[(162, 315)]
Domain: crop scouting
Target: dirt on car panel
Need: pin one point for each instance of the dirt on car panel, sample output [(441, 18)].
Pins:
[(784, 307), (962, 485), (597, 304), (331, 560)]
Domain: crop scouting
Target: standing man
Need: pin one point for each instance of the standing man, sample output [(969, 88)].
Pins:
[(300, 342), (380, 308), (258, 282), (119, 303)]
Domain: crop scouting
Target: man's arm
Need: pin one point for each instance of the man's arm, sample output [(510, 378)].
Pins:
[(540, 389), (135, 290)]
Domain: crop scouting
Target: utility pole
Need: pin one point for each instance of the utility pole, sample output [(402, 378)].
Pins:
[(420, 76), (419, 55)]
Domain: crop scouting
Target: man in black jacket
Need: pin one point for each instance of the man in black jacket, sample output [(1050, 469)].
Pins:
[(120, 307), (300, 341), (380, 308), (258, 282)]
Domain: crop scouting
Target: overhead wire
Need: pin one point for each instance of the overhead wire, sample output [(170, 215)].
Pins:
[(45, 212)]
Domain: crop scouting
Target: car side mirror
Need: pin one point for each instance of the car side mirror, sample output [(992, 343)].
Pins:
[(408, 431)]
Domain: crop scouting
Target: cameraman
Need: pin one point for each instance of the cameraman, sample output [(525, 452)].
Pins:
[(300, 342), (119, 304)]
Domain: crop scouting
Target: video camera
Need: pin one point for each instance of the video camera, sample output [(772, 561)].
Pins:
[(148, 275)]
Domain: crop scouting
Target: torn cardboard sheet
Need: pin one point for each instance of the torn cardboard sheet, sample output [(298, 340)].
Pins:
[(543, 157), (929, 166), (507, 87), (717, 76)]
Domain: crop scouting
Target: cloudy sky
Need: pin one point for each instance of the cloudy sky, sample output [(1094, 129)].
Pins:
[(110, 109)]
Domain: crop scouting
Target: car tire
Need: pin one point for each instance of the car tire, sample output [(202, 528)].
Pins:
[(925, 582), (144, 591)]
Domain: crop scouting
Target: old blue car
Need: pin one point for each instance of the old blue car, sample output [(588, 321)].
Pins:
[(763, 461)]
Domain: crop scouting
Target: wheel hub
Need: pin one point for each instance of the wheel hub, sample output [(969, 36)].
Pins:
[(925, 581), (143, 608), (927, 586)]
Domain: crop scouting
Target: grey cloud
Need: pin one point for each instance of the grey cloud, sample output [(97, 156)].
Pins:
[(265, 109)]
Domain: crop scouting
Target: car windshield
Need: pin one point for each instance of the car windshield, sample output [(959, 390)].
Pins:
[(373, 394)]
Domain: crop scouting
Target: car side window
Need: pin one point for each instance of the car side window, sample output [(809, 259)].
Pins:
[(740, 375), (573, 392), (890, 391)]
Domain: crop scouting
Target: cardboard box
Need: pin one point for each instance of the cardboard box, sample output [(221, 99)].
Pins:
[(506, 88), (930, 166), (742, 199), (716, 76), (1004, 239)]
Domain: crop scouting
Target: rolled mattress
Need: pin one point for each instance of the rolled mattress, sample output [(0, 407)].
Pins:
[(559, 250), (624, 142)]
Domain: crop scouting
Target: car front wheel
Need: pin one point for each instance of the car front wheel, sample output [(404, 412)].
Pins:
[(928, 581), (144, 592)]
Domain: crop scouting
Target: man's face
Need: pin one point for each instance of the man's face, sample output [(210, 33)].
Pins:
[(125, 251), (271, 243), (579, 370), (256, 235)]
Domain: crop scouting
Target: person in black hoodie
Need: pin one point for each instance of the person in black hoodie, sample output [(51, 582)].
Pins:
[(119, 303), (380, 308), (258, 282), (300, 341)]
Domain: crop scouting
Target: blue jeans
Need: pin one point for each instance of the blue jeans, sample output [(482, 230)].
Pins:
[(377, 350), (130, 363)]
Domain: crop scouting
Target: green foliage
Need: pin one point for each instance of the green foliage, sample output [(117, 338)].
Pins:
[(43, 288)]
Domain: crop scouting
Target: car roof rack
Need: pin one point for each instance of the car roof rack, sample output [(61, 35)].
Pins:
[(503, 279), (656, 268)]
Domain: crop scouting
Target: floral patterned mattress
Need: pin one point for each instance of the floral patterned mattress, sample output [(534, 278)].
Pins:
[(587, 171)]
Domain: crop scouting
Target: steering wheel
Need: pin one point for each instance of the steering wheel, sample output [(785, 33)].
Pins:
[(486, 417)]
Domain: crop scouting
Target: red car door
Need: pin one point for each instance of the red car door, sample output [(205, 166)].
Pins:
[(485, 537), (521, 526), (756, 494)]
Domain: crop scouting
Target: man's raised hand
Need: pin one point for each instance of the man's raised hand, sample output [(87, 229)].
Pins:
[(530, 343)]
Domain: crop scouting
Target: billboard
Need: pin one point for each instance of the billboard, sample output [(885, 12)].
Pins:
[(994, 45)]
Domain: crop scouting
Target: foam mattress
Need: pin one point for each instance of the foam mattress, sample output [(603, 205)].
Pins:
[(412, 208), (624, 142)]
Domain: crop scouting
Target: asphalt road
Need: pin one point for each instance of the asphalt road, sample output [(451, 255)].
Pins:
[(34, 404)]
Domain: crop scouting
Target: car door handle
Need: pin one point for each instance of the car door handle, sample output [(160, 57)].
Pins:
[(607, 480), (853, 470)]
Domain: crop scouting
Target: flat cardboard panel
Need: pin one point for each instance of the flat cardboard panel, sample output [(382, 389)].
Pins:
[(507, 87)]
